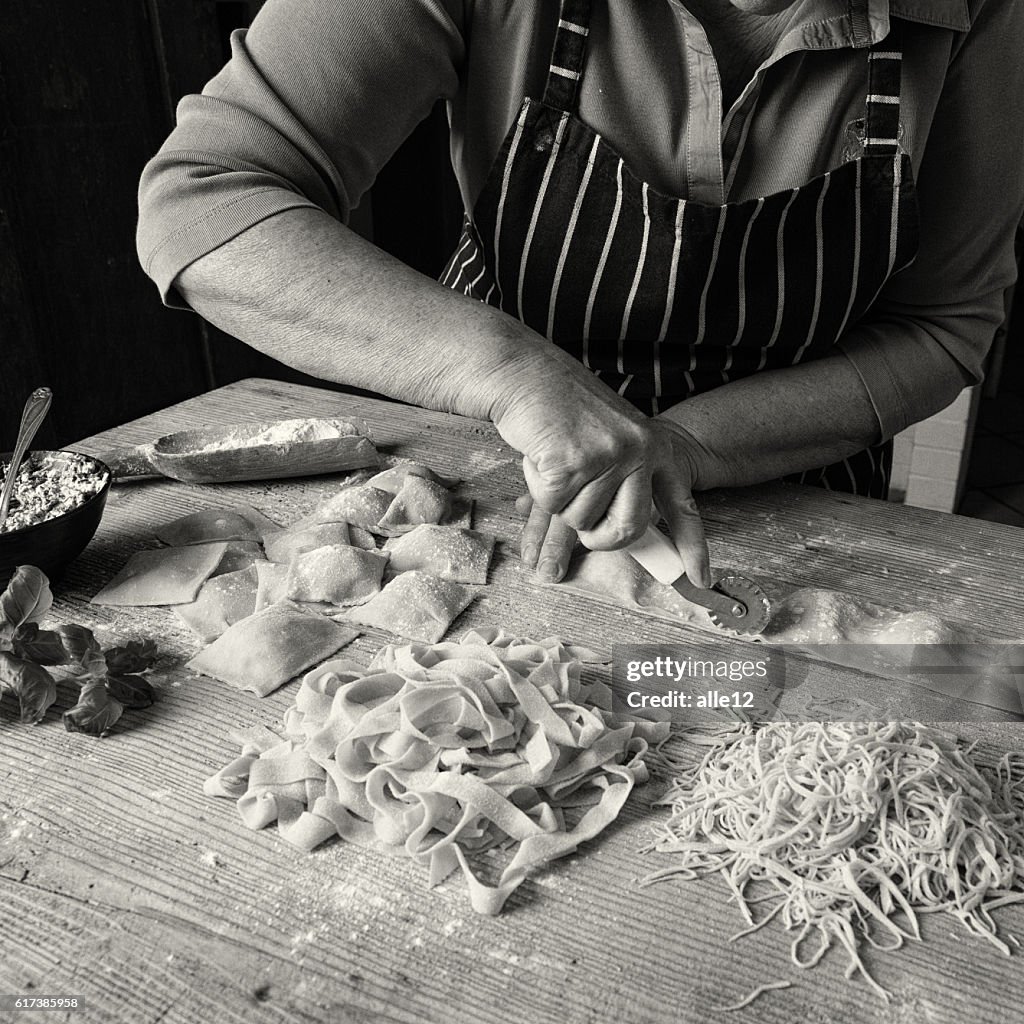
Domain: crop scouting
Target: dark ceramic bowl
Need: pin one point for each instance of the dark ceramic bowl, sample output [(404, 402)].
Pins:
[(54, 544)]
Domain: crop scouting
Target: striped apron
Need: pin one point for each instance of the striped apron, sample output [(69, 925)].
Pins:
[(664, 298)]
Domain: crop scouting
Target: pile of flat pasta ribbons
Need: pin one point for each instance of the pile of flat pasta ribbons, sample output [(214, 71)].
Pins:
[(445, 752), (854, 829)]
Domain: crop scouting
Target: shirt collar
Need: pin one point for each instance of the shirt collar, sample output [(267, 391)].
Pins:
[(827, 24), (838, 24)]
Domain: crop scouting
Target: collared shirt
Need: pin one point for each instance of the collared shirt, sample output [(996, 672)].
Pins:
[(319, 94)]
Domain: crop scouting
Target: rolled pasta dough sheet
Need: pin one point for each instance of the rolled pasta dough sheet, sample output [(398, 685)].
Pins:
[(162, 576)]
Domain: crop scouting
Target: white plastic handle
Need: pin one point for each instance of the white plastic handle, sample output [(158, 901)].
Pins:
[(658, 555)]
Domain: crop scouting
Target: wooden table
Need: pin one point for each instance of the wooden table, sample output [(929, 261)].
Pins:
[(121, 882)]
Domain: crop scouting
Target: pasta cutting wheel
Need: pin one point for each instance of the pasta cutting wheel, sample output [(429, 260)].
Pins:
[(748, 610), (734, 602)]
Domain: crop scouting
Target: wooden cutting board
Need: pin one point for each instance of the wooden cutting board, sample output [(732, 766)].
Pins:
[(121, 882)]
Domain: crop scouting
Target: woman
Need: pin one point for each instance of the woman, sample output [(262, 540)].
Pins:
[(718, 201)]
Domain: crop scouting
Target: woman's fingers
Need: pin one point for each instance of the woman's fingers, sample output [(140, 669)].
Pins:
[(675, 501), (531, 540), (546, 543), (626, 516), (555, 552), (593, 501)]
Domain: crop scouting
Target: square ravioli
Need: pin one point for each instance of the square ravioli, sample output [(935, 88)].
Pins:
[(239, 554), (284, 545), (418, 501), (163, 576), (270, 580), (213, 524), (415, 605), (358, 504), (450, 552), (267, 649), (391, 479), (222, 601), (338, 574)]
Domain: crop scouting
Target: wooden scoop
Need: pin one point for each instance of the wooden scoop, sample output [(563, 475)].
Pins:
[(250, 451)]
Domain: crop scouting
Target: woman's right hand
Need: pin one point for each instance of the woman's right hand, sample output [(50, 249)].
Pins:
[(593, 461)]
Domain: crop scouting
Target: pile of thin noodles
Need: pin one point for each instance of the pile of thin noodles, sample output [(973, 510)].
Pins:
[(444, 753), (854, 829)]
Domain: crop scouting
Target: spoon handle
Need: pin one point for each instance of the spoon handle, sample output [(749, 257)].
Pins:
[(36, 407)]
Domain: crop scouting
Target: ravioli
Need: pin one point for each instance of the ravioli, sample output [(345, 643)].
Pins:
[(418, 501), (270, 583), (338, 574), (284, 545), (265, 650), (239, 554), (360, 505), (415, 605), (449, 552), (212, 524), (222, 601), (391, 480)]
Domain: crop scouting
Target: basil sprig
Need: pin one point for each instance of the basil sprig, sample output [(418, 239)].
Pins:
[(110, 680)]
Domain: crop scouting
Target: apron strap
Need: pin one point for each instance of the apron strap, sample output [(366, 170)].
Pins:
[(567, 55), (882, 120)]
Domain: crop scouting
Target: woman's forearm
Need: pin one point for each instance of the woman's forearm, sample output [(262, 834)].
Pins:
[(777, 422), (305, 289)]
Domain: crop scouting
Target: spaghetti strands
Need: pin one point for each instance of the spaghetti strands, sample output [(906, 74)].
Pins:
[(854, 829), (772, 986), (445, 753)]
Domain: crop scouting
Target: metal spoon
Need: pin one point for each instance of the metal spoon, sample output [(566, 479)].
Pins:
[(32, 416)]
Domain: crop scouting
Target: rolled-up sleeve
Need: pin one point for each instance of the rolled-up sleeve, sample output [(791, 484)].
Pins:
[(317, 96), (929, 333)]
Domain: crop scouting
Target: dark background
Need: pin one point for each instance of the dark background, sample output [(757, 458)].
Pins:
[(87, 95)]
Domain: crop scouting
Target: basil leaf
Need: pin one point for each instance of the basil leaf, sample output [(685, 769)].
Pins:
[(43, 646), (83, 651), (96, 711), (135, 656), (27, 599), (131, 691), (34, 686)]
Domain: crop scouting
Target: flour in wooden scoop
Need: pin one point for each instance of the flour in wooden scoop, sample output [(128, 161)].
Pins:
[(284, 432)]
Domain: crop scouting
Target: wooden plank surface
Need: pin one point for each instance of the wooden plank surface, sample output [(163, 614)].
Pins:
[(121, 882)]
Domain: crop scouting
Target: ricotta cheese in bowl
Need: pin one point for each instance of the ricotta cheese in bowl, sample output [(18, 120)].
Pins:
[(56, 507), (48, 485)]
